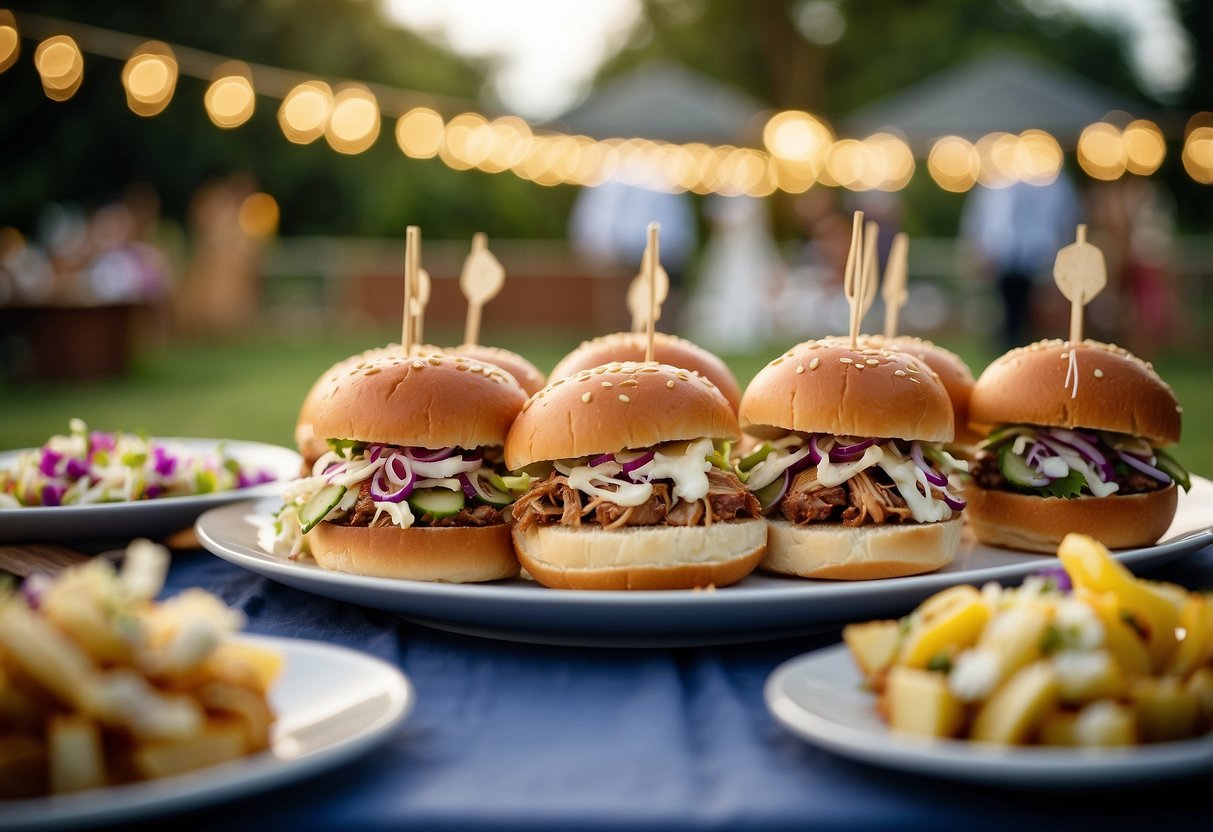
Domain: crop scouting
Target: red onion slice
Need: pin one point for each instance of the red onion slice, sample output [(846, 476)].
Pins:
[(639, 462), (849, 453), (954, 503), (427, 455), (601, 460), (814, 451), (440, 469), (1085, 449), (381, 492), (933, 476), (780, 494), (1144, 467)]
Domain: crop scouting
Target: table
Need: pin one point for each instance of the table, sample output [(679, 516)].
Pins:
[(512, 736)]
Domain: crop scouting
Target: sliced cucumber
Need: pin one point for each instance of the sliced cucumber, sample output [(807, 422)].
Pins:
[(319, 505), (437, 502), (491, 494), (750, 460), (1166, 463), (519, 483), (1016, 469)]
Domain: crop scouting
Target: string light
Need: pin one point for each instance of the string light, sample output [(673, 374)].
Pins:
[(1145, 147), (61, 66), (10, 40), (419, 133), (258, 215), (1198, 148), (304, 112), (353, 124), (799, 149), (150, 78)]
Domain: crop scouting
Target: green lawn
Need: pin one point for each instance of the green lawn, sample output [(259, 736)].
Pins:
[(251, 389)]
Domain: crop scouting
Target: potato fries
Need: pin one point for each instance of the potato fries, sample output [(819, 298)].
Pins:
[(100, 685), (1091, 657)]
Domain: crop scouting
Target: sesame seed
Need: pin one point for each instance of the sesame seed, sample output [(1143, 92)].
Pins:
[(799, 369), (418, 365), (477, 368), (370, 371), (916, 381), (860, 366), (435, 360), (607, 384), (871, 362), (899, 372), (461, 367), (630, 383), (846, 360), (1178, 409), (813, 364), (911, 368), (585, 397), (627, 369), (624, 398), (1098, 373), (527, 405), (670, 384), (777, 361), (1064, 356), (599, 370), (558, 382)]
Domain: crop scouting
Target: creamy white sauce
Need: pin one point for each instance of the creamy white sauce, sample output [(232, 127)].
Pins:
[(687, 469), (400, 513), (830, 474), (907, 476)]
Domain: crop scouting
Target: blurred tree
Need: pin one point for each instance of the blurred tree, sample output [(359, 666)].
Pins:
[(91, 147)]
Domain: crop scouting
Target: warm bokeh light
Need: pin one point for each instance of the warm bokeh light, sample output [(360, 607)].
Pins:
[(354, 121), (10, 40), (845, 164), (1145, 147), (1101, 151), (229, 99), (150, 78), (258, 215), (889, 162), (419, 133), (954, 164), (1037, 157), (508, 136), (61, 66), (305, 112), (1198, 148), (466, 141), (796, 136), (996, 152)]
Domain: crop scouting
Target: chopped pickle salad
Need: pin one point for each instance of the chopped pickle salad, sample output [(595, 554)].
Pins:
[(85, 467), (1056, 462)]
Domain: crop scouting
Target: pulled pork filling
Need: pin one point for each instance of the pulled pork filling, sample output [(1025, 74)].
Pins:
[(868, 497), (553, 501)]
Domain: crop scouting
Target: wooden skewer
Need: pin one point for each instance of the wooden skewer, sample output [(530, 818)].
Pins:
[(480, 281), (412, 260), (871, 261), (1080, 274), (851, 275), (893, 291), (652, 260)]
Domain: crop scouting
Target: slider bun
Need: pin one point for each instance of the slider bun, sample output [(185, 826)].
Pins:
[(1038, 524), (953, 372), (668, 349), (642, 557), (428, 401), (615, 407), (1028, 386), (860, 553), (817, 387), (311, 446), (452, 554), (524, 372)]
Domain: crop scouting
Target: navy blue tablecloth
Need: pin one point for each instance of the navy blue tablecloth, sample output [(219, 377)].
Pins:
[(514, 736)]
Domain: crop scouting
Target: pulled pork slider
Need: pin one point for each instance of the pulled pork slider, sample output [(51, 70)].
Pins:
[(1075, 446), (851, 473), (668, 349), (638, 495), (413, 485)]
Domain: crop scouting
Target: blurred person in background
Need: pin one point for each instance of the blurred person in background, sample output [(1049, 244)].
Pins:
[(609, 226), (741, 279), (1132, 220), (815, 305), (1013, 234)]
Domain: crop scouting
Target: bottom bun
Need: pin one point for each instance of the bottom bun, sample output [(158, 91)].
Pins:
[(1037, 524), (860, 553), (642, 557), (454, 554)]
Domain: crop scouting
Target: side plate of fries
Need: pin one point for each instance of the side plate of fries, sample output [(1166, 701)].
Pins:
[(115, 707)]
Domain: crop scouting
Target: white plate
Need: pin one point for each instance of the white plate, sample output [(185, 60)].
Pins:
[(819, 698), (146, 518), (760, 607), (332, 704)]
